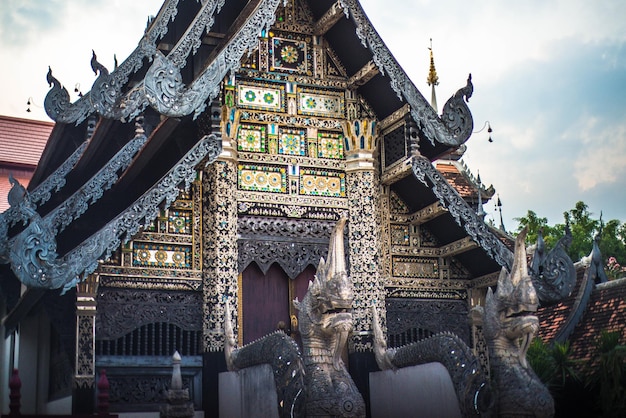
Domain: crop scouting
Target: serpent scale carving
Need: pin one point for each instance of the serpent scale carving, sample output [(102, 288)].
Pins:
[(471, 385)]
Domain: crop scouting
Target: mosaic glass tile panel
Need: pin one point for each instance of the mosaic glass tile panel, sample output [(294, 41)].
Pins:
[(160, 255), (400, 235), (290, 55), (321, 103), (262, 178), (292, 141), (329, 145), (251, 138), (261, 97), (179, 222), (415, 267), (322, 183)]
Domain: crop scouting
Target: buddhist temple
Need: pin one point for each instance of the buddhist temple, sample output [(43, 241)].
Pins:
[(209, 167)]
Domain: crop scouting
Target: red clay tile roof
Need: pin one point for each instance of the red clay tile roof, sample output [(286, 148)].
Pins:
[(21, 143), (553, 317), (606, 310), (22, 140), (461, 183)]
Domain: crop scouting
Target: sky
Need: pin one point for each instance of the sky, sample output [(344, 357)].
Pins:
[(549, 76)]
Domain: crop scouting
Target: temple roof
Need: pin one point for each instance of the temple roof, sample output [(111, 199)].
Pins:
[(119, 152), (594, 305), (459, 177), (604, 311)]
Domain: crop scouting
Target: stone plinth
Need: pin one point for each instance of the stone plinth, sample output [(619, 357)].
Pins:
[(417, 391), (248, 393)]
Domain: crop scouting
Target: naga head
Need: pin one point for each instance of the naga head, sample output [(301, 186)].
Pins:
[(510, 323), (327, 306)]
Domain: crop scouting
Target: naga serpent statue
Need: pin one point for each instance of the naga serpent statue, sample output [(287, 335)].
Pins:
[(325, 322), (470, 383), (509, 326)]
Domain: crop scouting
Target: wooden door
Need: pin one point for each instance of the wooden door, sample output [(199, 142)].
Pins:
[(265, 301)]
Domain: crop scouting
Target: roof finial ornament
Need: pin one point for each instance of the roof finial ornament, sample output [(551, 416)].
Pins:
[(499, 209), (480, 211), (433, 78)]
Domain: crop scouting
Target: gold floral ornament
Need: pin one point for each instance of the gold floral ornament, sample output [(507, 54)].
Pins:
[(289, 54)]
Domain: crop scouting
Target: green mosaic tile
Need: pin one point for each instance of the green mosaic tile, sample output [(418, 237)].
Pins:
[(292, 142), (252, 138), (179, 222), (330, 145), (261, 97), (320, 103)]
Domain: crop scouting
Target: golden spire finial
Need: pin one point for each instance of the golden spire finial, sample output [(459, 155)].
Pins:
[(433, 78)]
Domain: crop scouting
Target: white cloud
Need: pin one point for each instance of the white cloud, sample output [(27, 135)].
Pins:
[(602, 157)]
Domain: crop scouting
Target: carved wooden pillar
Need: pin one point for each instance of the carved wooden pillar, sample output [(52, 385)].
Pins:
[(85, 367), (364, 231), (219, 242)]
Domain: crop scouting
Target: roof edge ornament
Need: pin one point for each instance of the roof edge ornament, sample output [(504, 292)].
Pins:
[(163, 84), (422, 112), (461, 211), (58, 106), (107, 87), (37, 264), (456, 114), (553, 274)]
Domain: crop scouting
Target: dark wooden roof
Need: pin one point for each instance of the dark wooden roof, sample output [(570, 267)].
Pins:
[(95, 139)]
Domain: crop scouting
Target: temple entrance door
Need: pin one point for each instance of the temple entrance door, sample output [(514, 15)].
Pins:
[(266, 300)]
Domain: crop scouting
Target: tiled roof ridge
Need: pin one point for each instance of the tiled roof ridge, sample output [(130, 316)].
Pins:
[(611, 284), (579, 306)]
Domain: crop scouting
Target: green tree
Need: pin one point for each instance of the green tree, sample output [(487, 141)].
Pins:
[(534, 223), (584, 228), (613, 241), (609, 374)]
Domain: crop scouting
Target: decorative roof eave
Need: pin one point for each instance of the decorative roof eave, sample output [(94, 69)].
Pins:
[(456, 124), (43, 191), (107, 87), (162, 87), (33, 257), (460, 210)]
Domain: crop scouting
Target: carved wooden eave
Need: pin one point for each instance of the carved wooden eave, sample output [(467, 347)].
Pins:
[(449, 250), (421, 216), (434, 128), (328, 20), (364, 75), (57, 103), (89, 163), (462, 213)]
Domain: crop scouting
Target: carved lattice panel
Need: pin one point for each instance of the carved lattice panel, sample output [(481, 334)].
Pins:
[(395, 146), (429, 315)]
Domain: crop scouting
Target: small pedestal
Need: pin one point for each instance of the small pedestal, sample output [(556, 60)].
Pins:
[(248, 393), (417, 391)]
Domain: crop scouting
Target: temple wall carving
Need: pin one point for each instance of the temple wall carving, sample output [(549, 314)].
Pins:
[(219, 249)]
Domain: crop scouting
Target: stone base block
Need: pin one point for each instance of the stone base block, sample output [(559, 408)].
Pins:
[(417, 391), (248, 393)]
